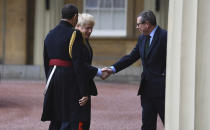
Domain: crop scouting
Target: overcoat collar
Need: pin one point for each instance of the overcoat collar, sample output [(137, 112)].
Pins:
[(65, 23), (89, 48)]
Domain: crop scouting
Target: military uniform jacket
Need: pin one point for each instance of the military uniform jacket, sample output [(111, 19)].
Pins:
[(68, 84), (154, 64)]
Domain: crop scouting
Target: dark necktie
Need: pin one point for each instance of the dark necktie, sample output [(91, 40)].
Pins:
[(147, 45)]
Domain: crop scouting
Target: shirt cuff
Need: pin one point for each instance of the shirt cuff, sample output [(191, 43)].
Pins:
[(113, 69), (99, 72)]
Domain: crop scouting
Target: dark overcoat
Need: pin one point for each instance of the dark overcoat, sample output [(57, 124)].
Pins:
[(68, 84), (152, 82)]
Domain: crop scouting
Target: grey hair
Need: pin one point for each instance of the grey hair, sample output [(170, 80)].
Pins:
[(148, 16), (85, 18)]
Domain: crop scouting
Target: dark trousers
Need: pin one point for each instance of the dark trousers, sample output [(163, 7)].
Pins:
[(151, 108), (57, 125)]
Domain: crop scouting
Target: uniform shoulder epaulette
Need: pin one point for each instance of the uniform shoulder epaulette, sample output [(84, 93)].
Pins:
[(73, 36), (71, 43)]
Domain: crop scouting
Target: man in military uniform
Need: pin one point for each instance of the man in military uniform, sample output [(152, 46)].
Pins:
[(67, 62)]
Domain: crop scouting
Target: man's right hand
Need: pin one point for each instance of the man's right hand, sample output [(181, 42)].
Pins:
[(106, 72)]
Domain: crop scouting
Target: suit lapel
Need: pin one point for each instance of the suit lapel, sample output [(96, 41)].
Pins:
[(144, 42), (154, 41)]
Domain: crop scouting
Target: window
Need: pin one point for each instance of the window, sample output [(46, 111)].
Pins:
[(110, 16)]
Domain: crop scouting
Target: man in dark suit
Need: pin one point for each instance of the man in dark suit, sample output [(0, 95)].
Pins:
[(151, 49), (67, 63)]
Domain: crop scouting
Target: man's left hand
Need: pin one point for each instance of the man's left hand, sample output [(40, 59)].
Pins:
[(83, 100)]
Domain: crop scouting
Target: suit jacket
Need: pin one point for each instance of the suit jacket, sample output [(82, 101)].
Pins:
[(154, 64), (68, 84)]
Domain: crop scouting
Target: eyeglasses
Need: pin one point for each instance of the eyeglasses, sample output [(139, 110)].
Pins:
[(139, 24)]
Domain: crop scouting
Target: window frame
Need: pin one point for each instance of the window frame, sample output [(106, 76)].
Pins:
[(109, 32)]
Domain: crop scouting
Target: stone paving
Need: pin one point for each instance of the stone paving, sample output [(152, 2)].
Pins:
[(117, 107)]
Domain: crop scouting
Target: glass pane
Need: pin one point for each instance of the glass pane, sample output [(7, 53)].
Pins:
[(105, 20), (119, 20), (91, 3), (105, 3), (119, 3)]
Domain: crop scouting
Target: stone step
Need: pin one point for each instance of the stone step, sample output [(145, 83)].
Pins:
[(36, 72)]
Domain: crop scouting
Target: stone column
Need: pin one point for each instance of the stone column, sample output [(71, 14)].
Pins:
[(202, 96), (45, 20), (187, 81), (39, 31)]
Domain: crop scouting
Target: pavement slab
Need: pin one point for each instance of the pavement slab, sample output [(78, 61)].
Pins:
[(117, 106)]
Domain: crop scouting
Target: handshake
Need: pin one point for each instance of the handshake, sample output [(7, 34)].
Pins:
[(106, 72)]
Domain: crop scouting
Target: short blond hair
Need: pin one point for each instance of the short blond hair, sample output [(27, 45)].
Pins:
[(85, 18)]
